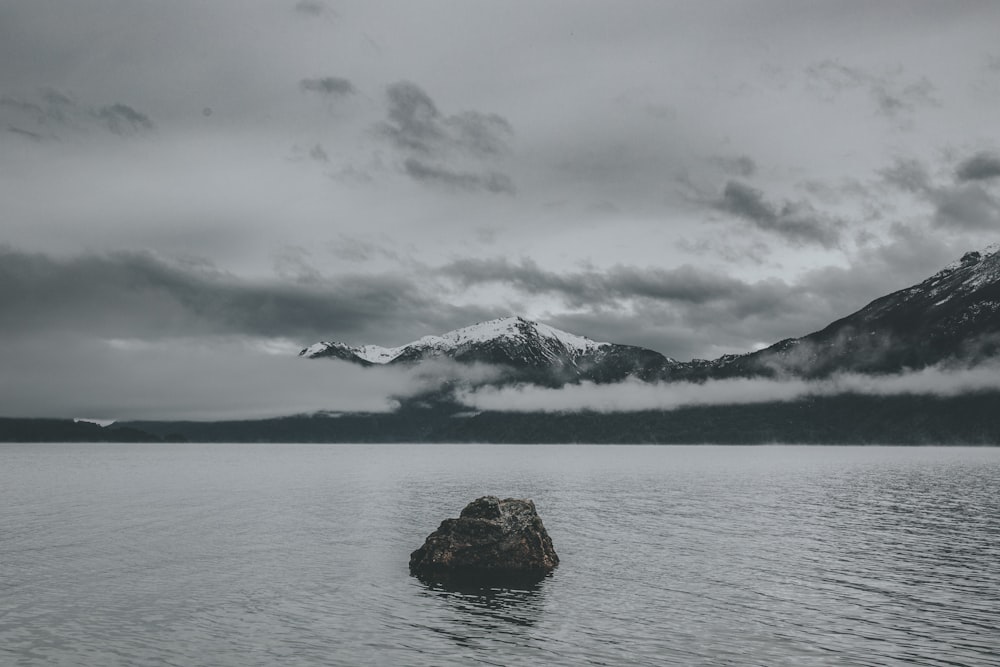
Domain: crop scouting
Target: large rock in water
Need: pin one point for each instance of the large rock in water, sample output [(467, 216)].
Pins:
[(493, 539)]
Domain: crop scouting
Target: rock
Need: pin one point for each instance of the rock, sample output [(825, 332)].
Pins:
[(493, 539)]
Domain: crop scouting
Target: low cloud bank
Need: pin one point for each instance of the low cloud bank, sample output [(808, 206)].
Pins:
[(202, 379), (227, 377), (205, 378), (634, 396)]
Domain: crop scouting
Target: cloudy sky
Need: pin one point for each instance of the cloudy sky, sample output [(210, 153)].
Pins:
[(192, 191)]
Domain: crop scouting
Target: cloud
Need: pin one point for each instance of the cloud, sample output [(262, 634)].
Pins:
[(311, 7), (146, 297), (62, 375), (318, 153), (293, 263), (356, 250), (893, 100), (699, 311), (132, 335), (479, 133), (634, 396), (980, 167), (667, 310), (596, 288), (14, 105), (797, 222), (50, 107), (122, 119), (332, 86), (27, 134), (909, 175), (968, 205), (54, 108), (140, 295), (740, 165), (416, 125), (893, 95), (491, 181), (450, 150)]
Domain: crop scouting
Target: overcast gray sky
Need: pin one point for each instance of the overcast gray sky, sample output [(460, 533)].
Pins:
[(250, 177)]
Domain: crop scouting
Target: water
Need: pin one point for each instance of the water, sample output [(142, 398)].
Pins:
[(297, 555)]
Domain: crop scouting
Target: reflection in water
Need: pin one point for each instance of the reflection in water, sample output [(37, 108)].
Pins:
[(515, 600), (480, 615)]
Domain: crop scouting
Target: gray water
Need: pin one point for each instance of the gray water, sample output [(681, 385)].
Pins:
[(297, 555)]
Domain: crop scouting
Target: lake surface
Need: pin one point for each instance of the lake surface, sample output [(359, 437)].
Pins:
[(297, 555)]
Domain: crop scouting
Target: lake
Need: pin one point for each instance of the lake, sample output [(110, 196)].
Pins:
[(297, 555)]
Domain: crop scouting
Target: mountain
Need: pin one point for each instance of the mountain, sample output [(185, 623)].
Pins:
[(953, 317), (530, 351)]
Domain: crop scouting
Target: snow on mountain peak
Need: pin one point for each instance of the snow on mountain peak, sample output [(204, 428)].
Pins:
[(504, 328), (970, 258), (315, 348), (518, 327)]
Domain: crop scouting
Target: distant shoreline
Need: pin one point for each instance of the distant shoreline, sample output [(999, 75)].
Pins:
[(970, 419)]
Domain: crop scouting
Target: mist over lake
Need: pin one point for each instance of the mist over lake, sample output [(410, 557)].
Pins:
[(122, 554)]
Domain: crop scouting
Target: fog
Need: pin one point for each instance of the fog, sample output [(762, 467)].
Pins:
[(633, 396), (220, 378)]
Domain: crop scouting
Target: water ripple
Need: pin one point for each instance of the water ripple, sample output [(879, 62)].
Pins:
[(261, 555)]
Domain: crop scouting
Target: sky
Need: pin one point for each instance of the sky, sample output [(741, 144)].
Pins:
[(194, 191)]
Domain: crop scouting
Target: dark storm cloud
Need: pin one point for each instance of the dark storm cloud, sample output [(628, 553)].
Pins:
[(434, 141), (980, 167), (414, 124), (667, 310), (747, 202), (797, 222), (140, 295), (490, 181), (695, 311), (333, 86), (123, 119), (892, 94), (593, 288), (967, 205)]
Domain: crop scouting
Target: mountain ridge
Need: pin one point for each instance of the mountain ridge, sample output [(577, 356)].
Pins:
[(531, 351), (951, 317)]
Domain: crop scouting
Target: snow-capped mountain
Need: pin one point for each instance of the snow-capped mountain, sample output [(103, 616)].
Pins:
[(951, 317), (530, 350)]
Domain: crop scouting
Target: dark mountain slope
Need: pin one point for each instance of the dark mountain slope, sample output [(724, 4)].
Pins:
[(952, 317), (530, 351)]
